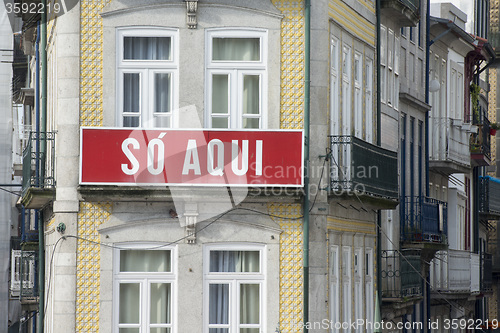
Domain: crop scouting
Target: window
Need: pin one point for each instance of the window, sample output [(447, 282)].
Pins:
[(144, 287), (334, 88), (15, 273), (346, 285), (236, 76), (334, 287), (369, 100), (147, 77), (234, 289), (358, 286), (369, 306), (346, 90), (358, 98), (383, 64)]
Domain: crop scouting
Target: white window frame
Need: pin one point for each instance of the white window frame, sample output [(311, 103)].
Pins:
[(358, 97), (15, 272), (146, 69), (334, 87), (369, 100), (236, 70), (358, 285), (383, 64), (369, 294), (347, 285), (334, 288), (235, 279), (144, 279), (346, 89)]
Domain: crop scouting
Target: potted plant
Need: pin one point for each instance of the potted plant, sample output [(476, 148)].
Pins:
[(493, 128)]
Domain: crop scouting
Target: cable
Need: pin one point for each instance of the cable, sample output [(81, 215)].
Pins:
[(319, 183), (50, 273), (11, 192)]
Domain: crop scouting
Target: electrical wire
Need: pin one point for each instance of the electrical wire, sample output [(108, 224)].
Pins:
[(11, 192), (50, 273)]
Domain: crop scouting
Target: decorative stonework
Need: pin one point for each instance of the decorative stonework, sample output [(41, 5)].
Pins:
[(291, 271), (292, 63), (191, 9), (90, 217)]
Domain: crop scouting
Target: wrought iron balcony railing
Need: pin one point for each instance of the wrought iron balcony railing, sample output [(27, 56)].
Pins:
[(489, 197), (361, 167), (425, 220), (480, 142), (486, 272), (406, 11), (401, 274), (39, 162), (28, 275)]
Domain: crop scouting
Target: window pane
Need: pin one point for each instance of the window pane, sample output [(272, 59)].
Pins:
[(219, 122), (131, 121), (220, 93), (162, 121), (236, 49), (160, 303), (129, 330), (162, 92), (219, 304), (218, 330), (147, 48), (159, 330), (234, 261), (251, 123), (249, 330), (129, 303), (145, 261), (249, 304), (131, 90), (251, 94)]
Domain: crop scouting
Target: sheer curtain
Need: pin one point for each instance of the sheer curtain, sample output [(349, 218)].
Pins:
[(249, 294), (236, 49), (145, 261), (147, 48)]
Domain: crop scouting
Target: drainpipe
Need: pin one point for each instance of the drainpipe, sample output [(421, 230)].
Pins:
[(379, 142), (307, 89), (43, 129), (427, 186)]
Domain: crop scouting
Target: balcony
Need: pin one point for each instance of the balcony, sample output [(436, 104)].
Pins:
[(425, 221), (489, 197), (486, 273), (401, 276), (449, 151), (364, 169), (407, 12), (455, 272), (28, 277), (38, 170), (480, 143)]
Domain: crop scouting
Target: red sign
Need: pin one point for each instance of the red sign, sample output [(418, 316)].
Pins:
[(122, 156)]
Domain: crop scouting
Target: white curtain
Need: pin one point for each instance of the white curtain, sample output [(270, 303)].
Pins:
[(129, 303), (131, 89), (162, 86), (236, 49), (147, 48), (220, 100), (249, 294), (145, 261), (251, 100), (160, 303)]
